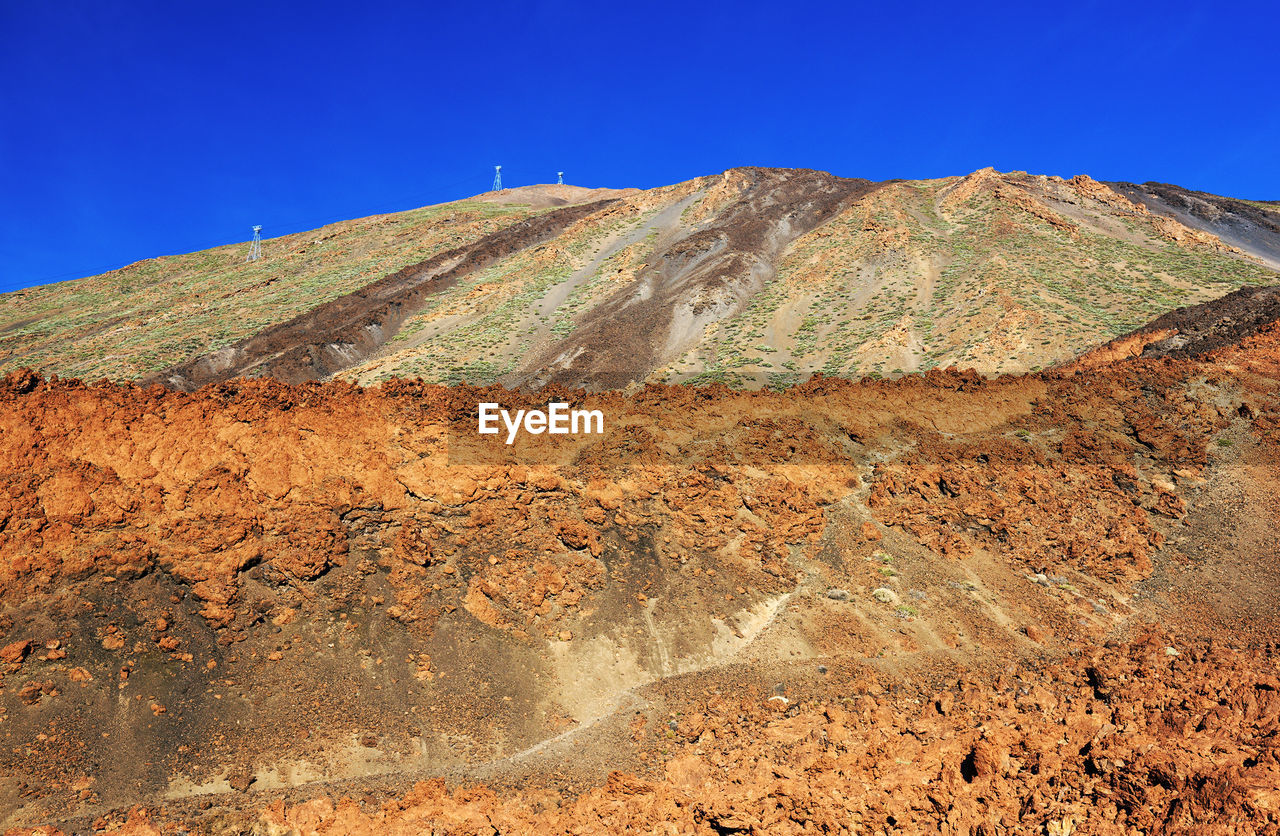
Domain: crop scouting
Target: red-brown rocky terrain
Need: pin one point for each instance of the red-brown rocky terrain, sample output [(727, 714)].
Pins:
[(1032, 604)]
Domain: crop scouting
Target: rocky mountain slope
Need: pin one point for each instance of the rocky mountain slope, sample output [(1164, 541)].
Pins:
[(757, 277), (1250, 225), (1041, 603)]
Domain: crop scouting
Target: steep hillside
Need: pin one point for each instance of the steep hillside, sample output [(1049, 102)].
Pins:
[(1001, 273), (757, 277), (1195, 330), (136, 321), (1251, 225), (330, 337), (1044, 603)]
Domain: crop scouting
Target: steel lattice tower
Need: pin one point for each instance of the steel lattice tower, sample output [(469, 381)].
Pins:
[(497, 178), (255, 249)]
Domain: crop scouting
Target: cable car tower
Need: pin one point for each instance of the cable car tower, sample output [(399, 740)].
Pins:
[(255, 248), (497, 178)]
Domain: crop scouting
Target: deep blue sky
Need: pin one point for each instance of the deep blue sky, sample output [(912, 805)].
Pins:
[(135, 129)]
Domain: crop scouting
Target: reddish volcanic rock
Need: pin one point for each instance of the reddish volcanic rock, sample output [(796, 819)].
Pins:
[(923, 605)]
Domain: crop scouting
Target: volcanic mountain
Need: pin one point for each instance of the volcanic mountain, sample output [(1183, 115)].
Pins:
[(241, 592), (941, 603), (755, 277)]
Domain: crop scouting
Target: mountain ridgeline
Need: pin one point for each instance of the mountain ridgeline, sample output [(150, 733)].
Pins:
[(755, 278)]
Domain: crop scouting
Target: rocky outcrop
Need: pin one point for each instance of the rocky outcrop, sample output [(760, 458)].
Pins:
[(259, 591), (1252, 227), (1195, 330)]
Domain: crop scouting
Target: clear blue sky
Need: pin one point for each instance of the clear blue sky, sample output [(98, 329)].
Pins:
[(135, 129)]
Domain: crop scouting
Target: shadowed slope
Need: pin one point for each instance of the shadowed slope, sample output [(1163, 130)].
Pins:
[(1195, 330)]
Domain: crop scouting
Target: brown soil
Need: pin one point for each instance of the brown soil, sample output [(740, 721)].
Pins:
[(1056, 750), (939, 604)]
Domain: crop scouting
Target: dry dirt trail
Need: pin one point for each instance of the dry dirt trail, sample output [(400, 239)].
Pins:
[(664, 224)]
